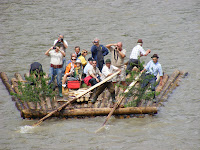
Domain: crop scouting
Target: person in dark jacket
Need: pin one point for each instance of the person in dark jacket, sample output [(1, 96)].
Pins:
[(36, 68), (98, 53)]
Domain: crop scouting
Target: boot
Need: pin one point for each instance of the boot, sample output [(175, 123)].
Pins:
[(154, 97), (60, 91), (113, 97), (94, 99)]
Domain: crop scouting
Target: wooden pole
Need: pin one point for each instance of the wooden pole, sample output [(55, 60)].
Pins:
[(92, 112), (120, 100), (74, 99)]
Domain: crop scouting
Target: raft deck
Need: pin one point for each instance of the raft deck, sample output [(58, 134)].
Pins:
[(84, 108)]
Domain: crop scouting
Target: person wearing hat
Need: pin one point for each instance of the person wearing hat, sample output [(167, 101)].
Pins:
[(82, 57), (98, 53), (78, 70), (107, 70), (89, 65), (137, 52), (151, 70)]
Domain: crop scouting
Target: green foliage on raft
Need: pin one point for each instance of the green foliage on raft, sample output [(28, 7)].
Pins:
[(136, 92), (35, 89)]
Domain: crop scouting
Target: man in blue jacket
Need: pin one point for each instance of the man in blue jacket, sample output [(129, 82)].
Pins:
[(98, 53)]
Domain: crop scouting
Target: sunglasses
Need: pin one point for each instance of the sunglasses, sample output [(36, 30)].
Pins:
[(95, 41), (73, 59), (84, 52)]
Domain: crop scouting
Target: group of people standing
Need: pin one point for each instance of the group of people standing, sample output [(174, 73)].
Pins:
[(93, 71)]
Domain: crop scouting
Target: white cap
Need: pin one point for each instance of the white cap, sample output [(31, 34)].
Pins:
[(78, 61)]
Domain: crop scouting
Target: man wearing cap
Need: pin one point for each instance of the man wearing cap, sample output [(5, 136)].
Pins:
[(89, 65), (98, 53), (117, 57), (137, 52), (60, 42), (56, 61), (107, 70), (152, 68)]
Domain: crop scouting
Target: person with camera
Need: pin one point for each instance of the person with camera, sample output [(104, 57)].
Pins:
[(56, 64), (60, 42), (98, 53), (118, 55)]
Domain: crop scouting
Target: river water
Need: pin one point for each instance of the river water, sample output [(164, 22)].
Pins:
[(169, 28)]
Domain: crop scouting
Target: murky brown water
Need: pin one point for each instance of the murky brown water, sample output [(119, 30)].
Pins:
[(169, 28)]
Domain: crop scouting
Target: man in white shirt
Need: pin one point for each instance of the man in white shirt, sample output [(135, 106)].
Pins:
[(137, 52), (56, 61), (118, 55), (60, 42), (107, 70), (95, 73), (89, 65)]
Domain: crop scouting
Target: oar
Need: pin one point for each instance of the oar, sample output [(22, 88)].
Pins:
[(74, 99), (118, 102)]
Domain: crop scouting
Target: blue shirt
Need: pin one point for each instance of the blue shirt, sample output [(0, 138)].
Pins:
[(94, 52), (154, 68), (69, 61)]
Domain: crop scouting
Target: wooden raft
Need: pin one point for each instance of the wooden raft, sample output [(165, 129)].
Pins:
[(84, 108)]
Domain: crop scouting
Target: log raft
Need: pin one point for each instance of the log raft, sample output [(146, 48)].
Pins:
[(84, 108)]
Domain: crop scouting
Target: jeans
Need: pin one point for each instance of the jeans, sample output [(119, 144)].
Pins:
[(148, 78), (64, 66), (53, 72)]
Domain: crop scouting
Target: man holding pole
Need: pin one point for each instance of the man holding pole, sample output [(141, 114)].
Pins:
[(152, 68), (107, 70)]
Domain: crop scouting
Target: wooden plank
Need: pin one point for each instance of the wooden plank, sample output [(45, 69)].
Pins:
[(171, 80)]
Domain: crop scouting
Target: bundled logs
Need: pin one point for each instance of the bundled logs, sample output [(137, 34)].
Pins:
[(83, 107)]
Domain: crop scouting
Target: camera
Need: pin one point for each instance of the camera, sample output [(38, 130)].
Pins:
[(61, 40), (54, 47)]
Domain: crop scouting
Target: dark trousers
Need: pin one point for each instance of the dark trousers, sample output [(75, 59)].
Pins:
[(102, 87), (93, 81), (148, 78), (100, 65)]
